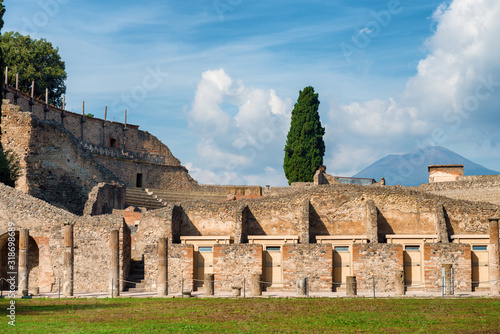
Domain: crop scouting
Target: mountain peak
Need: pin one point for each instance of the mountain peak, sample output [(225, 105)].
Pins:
[(411, 169)]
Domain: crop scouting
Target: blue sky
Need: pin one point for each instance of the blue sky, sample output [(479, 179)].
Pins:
[(216, 80)]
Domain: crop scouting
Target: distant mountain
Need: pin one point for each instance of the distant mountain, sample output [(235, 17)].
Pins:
[(411, 169)]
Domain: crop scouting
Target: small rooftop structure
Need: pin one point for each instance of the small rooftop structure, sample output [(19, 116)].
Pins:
[(445, 173)]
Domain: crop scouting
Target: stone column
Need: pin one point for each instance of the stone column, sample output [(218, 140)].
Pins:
[(494, 257), (399, 281), (114, 263), (162, 282), (68, 271), (241, 219), (351, 286), (305, 229), (371, 222), (301, 287), (447, 278), (208, 286), (23, 270), (256, 287), (441, 229)]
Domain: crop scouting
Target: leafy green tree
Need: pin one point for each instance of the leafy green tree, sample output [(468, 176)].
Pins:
[(35, 59), (305, 148), (5, 159)]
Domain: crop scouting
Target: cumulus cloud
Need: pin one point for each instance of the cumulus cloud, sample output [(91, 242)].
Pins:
[(241, 131), (456, 90)]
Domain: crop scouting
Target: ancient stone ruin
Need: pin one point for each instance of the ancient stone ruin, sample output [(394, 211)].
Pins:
[(105, 207)]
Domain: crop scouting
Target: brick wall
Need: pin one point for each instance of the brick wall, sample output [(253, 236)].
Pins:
[(381, 261), (312, 261), (233, 263), (458, 255)]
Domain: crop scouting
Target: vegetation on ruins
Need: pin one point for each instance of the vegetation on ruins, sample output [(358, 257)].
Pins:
[(305, 148), (35, 60)]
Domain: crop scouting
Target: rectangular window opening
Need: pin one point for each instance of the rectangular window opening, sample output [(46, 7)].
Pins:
[(138, 182), (412, 247), (341, 248), (479, 247), (204, 249), (273, 249)]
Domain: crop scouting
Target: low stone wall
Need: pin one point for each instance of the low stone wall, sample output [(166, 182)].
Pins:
[(381, 261), (477, 188), (458, 255), (312, 261)]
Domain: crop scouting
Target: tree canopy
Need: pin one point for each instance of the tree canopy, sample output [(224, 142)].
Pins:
[(34, 59), (305, 148)]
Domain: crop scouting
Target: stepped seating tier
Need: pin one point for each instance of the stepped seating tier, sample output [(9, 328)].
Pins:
[(140, 198), (171, 196)]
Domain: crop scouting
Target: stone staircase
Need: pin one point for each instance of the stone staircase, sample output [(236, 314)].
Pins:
[(140, 198), (136, 277), (175, 196)]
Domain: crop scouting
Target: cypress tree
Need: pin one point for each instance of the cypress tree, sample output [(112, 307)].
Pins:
[(305, 148)]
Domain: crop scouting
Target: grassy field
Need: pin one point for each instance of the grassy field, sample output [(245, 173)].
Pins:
[(152, 315)]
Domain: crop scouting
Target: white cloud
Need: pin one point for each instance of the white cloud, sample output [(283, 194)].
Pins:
[(452, 93), (240, 131)]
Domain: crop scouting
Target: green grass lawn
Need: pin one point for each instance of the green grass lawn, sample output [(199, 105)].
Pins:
[(153, 315)]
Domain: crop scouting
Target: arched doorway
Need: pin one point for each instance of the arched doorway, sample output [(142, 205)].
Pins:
[(33, 260)]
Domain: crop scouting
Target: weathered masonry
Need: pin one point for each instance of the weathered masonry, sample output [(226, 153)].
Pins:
[(63, 155), (326, 234)]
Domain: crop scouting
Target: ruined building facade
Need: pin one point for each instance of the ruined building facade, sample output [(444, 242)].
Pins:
[(64, 155), (326, 233)]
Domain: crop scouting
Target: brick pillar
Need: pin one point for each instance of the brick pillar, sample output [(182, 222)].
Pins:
[(371, 222), (23, 271), (114, 263), (68, 271), (494, 257), (162, 282)]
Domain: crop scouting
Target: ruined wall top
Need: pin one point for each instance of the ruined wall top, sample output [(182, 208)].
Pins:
[(100, 136)]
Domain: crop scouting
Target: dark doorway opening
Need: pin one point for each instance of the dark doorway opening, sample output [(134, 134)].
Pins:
[(112, 142), (138, 182)]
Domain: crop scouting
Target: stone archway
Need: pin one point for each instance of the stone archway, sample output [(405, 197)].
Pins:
[(33, 260)]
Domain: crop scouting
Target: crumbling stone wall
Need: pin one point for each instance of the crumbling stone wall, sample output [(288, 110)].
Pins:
[(55, 167), (45, 225), (180, 267), (63, 155), (93, 130), (381, 261), (312, 261), (458, 255), (104, 198), (153, 175), (235, 263)]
